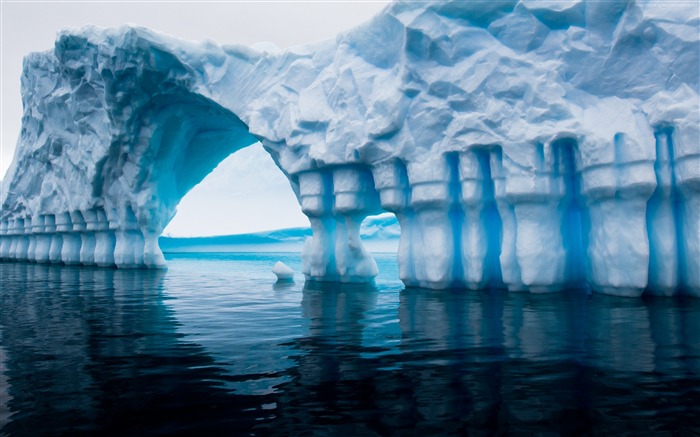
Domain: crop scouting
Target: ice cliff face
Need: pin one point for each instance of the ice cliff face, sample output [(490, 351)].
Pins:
[(530, 145)]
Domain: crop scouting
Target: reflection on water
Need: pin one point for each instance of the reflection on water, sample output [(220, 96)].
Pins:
[(212, 345)]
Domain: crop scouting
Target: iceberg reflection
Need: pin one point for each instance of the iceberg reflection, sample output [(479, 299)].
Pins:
[(142, 352)]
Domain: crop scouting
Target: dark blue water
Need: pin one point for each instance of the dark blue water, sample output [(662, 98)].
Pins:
[(212, 346)]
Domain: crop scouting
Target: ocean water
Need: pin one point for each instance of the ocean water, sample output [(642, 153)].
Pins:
[(213, 346)]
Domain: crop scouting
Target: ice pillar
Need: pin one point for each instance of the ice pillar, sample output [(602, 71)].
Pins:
[(434, 245), (616, 193), (4, 240), (31, 224), (70, 249), (481, 225), (686, 146), (354, 199), (318, 256), (391, 181), (22, 246), (129, 245), (510, 269), (535, 194), (56, 243), (88, 238), (336, 201), (663, 222), (104, 239), (43, 240)]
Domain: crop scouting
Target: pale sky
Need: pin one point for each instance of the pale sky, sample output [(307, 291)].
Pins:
[(246, 193)]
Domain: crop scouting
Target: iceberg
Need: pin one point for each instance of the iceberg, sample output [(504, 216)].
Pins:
[(535, 146)]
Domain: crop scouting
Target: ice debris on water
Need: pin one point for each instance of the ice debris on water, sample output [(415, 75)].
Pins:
[(283, 272)]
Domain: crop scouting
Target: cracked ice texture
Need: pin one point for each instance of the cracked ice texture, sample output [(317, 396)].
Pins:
[(528, 145)]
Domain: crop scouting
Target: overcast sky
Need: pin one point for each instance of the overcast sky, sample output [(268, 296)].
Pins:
[(245, 193)]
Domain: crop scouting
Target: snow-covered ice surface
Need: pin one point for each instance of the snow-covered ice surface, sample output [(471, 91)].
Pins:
[(525, 144)]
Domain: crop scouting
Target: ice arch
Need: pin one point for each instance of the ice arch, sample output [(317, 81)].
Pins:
[(521, 144), (135, 134), (183, 137), (246, 193)]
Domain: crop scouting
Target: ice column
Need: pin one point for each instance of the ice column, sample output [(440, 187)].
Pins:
[(22, 240), (43, 240), (318, 255), (535, 193), (354, 199), (336, 201), (30, 225), (662, 219), (128, 249), (11, 240), (56, 243), (433, 233), (686, 147), (510, 269), (21, 243), (87, 237), (15, 233), (104, 239), (4, 241), (481, 224), (70, 250), (616, 193), (12, 236), (564, 158), (152, 255), (391, 181)]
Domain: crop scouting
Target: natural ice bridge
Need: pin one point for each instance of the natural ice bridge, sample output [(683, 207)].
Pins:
[(529, 145)]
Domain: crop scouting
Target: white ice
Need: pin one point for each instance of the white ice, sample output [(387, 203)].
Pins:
[(283, 272)]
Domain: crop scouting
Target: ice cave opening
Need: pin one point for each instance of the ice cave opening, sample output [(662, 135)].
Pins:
[(246, 193), (188, 138)]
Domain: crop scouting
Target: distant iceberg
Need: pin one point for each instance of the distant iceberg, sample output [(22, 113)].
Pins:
[(529, 145), (378, 233)]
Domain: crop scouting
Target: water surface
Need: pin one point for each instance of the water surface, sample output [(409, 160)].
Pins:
[(213, 345)]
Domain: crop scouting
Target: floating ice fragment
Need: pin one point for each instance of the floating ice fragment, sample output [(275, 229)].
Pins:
[(283, 271)]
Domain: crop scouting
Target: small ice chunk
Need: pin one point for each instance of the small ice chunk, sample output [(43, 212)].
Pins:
[(283, 272)]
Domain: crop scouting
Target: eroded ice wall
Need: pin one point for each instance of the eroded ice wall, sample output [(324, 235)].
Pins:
[(529, 145)]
